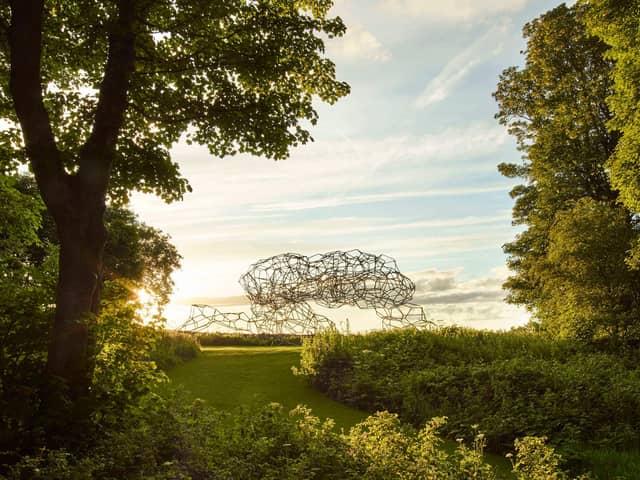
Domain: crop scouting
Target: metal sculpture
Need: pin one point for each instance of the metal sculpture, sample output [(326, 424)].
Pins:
[(408, 315), (280, 288), (296, 319), (201, 317)]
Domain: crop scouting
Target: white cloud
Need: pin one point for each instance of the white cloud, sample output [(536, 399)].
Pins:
[(332, 227), (487, 239), (375, 198), (215, 257), (452, 11), (450, 77), (476, 302), (358, 44), (317, 174)]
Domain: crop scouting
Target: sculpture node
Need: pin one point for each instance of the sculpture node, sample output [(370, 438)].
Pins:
[(280, 288)]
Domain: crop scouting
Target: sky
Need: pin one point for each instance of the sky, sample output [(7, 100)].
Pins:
[(405, 166)]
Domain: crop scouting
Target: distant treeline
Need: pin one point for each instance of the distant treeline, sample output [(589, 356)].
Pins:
[(247, 340)]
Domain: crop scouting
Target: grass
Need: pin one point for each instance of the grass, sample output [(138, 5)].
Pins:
[(226, 377), (608, 464)]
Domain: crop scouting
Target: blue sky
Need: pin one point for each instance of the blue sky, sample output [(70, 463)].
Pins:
[(405, 166)]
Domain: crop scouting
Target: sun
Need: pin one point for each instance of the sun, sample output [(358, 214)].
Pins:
[(144, 297)]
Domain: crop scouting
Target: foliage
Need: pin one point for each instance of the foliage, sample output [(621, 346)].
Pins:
[(616, 24), (606, 463), (172, 348), (326, 358), (25, 297), (588, 399), (512, 385), (123, 371), (168, 438), (28, 256), (239, 77), (141, 254), (536, 460), (20, 214), (597, 295), (388, 449), (555, 107)]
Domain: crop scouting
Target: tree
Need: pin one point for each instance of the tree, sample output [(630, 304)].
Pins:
[(96, 93), (140, 255), (555, 107), (616, 23), (591, 294)]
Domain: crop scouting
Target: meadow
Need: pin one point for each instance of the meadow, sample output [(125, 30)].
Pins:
[(229, 377)]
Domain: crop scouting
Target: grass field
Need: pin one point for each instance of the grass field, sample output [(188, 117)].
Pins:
[(226, 377)]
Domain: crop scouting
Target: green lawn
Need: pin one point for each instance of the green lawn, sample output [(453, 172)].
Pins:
[(226, 377)]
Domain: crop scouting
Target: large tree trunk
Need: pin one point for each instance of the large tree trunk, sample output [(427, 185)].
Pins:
[(82, 237)]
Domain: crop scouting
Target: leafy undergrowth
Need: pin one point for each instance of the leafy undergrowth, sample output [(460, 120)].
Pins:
[(512, 385), (163, 434), (172, 348), (167, 437)]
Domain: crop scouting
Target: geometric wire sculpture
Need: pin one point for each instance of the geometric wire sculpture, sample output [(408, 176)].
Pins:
[(281, 286), (201, 317)]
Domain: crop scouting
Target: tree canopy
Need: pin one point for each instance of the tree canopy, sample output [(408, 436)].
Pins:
[(236, 76), (556, 108), (616, 22)]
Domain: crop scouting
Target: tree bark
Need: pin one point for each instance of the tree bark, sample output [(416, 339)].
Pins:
[(82, 237)]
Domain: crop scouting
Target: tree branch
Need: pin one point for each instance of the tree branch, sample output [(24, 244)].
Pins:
[(25, 84), (97, 153)]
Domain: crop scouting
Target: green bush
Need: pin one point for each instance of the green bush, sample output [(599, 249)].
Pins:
[(513, 385), (34, 411), (589, 398), (172, 348)]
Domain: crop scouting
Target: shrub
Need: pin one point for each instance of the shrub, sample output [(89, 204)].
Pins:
[(171, 348), (169, 438), (513, 385), (536, 461)]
